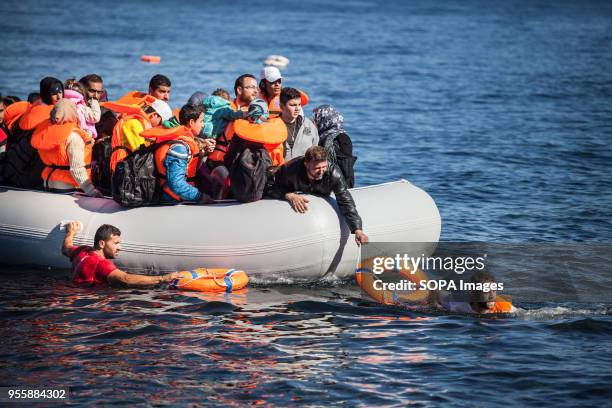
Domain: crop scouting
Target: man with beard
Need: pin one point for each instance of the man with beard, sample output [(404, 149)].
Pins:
[(311, 174)]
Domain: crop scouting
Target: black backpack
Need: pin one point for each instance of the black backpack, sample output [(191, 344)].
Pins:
[(22, 164), (101, 153), (248, 173), (100, 165), (134, 182)]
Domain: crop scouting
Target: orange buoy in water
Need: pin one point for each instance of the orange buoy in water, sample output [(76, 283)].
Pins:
[(152, 59), (211, 280)]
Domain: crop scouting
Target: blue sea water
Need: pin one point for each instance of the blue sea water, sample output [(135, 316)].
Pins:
[(499, 110)]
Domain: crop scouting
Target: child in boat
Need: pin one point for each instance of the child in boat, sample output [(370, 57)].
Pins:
[(222, 93), (217, 116), (479, 301), (88, 111)]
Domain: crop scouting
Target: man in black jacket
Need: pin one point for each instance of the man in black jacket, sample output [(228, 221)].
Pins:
[(311, 174)]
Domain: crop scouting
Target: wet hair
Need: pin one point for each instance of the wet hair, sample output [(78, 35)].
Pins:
[(240, 81), (190, 112), (288, 94), (33, 96), (73, 84), (10, 99), (90, 78), (104, 233), (482, 277), (315, 153), (159, 80), (222, 93)]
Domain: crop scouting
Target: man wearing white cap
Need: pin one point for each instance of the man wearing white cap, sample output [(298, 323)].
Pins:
[(129, 129)]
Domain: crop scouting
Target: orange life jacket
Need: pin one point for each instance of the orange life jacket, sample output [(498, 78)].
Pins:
[(132, 98), (51, 142), (271, 134), (502, 305), (13, 112), (223, 144), (165, 137), (129, 106), (34, 116), (234, 105)]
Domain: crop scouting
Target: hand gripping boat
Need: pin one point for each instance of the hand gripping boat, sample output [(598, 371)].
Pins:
[(267, 239)]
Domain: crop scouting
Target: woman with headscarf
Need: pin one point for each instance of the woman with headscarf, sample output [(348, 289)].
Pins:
[(65, 150), (335, 140)]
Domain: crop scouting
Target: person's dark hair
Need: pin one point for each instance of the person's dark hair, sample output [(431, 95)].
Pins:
[(288, 94), (482, 277), (10, 99), (189, 112), (148, 109), (262, 88), (220, 92), (104, 233), (159, 80), (90, 78), (33, 96), (240, 81), (315, 153), (107, 122)]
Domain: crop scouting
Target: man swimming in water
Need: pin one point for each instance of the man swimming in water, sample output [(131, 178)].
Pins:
[(479, 302), (93, 266)]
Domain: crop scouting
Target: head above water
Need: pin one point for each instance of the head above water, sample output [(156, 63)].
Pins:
[(159, 87), (108, 239), (479, 298)]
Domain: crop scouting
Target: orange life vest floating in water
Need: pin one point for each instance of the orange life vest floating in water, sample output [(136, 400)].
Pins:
[(211, 280), (151, 59), (371, 284)]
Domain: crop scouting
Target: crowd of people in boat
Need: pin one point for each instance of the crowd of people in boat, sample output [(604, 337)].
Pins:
[(68, 137)]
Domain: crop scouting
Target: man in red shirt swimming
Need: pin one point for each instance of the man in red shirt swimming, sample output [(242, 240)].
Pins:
[(93, 266)]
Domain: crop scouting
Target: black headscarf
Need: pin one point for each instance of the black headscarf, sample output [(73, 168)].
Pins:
[(50, 86)]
